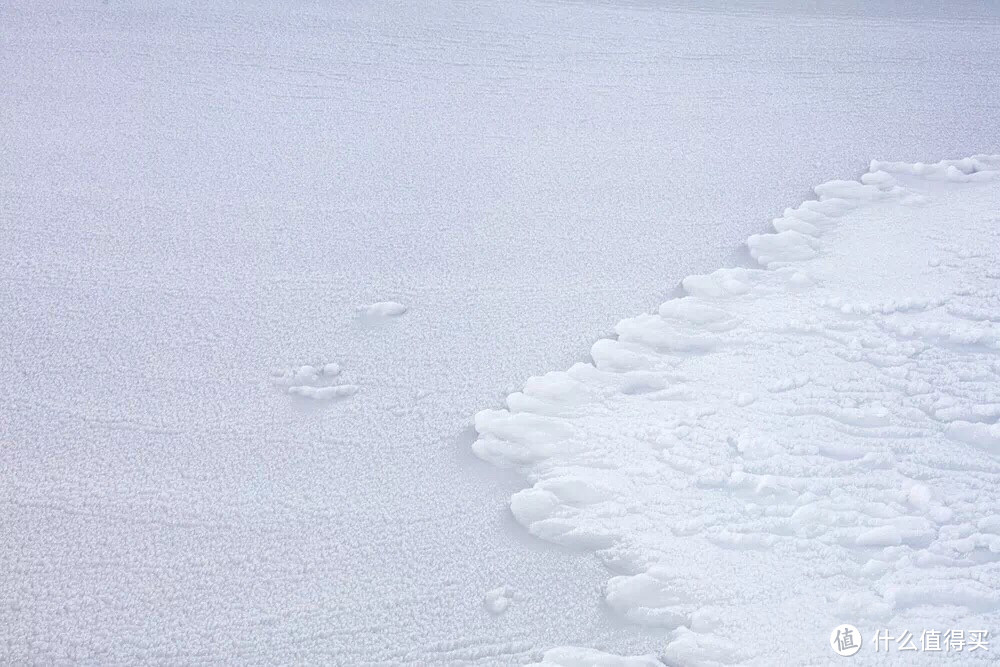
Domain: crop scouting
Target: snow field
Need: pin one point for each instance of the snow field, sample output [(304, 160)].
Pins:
[(194, 193)]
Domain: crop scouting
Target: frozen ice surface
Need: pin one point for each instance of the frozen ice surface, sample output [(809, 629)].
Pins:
[(196, 195), (863, 483)]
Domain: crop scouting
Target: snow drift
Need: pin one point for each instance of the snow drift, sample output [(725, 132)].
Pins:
[(795, 446)]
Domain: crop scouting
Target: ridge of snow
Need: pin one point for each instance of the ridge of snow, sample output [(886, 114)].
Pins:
[(790, 447)]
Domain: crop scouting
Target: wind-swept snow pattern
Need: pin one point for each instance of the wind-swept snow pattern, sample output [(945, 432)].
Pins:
[(794, 446)]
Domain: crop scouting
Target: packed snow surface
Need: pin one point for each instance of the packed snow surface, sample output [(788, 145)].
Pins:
[(199, 199), (795, 446)]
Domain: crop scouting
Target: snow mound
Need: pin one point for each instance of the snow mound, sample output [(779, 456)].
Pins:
[(321, 393), (788, 448), (384, 309), (314, 382), (498, 600)]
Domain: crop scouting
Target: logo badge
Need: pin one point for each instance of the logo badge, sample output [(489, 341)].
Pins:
[(845, 640)]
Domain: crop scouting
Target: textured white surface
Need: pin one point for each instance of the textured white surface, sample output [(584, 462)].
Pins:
[(861, 485), (196, 198)]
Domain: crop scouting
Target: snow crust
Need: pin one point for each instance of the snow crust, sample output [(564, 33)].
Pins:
[(789, 447)]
